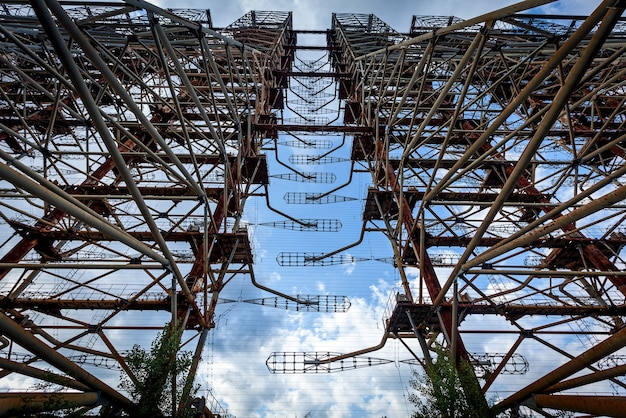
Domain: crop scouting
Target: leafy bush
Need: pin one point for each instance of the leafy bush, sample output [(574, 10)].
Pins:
[(153, 371), (446, 391)]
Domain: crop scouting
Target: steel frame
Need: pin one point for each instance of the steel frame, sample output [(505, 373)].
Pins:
[(504, 128), (127, 151), (131, 138)]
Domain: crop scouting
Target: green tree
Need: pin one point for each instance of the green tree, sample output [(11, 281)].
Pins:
[(444, 390), (153, 371)]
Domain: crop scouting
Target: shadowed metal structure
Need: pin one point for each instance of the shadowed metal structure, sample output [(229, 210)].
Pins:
[(131, 138)]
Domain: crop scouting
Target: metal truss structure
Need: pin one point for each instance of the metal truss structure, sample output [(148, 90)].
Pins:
[(131, 138)]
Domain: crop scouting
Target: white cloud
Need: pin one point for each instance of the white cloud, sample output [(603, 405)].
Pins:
[(244, 384)]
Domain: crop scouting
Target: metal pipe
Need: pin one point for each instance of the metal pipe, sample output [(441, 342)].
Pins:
[(419, 360), (609, 346), (275, 292), (377, 347), (454, 332), (612, 406), (71, 266), (46, 375), (347, 247), (191, 374), (61, 201), (19, 403), (492, 377), (587, 379), (24, 338), (428, 360), (543, 273)]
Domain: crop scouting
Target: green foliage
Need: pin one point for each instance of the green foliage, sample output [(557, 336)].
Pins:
[(153, 371), (447, 391)]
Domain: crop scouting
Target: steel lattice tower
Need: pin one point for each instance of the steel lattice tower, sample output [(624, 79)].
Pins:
[(131, 138)]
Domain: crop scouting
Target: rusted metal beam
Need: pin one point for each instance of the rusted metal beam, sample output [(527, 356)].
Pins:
[(45, 375), (605, 348), (19, 403), (587, 379), (612, 406), (312, 74), (52, 305), (539, 272), (349, 129), (511, 311)]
